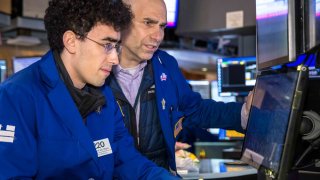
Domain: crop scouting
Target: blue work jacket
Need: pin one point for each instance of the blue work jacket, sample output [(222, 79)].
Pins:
[(176, 100), (42, 134)]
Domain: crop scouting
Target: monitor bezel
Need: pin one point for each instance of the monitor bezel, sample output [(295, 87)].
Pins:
[(286, 160), (293, 39)]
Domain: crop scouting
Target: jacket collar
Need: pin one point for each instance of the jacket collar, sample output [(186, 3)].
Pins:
[(64, 105), (164, 86)]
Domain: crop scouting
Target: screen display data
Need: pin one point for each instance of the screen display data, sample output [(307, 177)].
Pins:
[(269, 119), (236, 76)]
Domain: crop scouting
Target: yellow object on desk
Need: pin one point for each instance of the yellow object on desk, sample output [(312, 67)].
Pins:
[(232, 133)]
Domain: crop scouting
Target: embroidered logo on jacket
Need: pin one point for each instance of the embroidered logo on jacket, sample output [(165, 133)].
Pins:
[(163, 77), (8, 134)]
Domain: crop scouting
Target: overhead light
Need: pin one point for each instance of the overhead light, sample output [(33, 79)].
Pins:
[(24, 41), (204, 69)]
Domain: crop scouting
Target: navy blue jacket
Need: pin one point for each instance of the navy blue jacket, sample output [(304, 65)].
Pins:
[(175, 99), (42, 134)]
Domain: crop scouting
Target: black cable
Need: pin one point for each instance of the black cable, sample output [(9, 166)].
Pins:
[(309, 172), (302, 157), (305, 166), (314, 145)]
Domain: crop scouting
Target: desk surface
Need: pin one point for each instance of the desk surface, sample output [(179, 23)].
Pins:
[(215, 168)]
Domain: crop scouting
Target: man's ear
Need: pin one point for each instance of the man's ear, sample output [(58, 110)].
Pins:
[(69, 41)]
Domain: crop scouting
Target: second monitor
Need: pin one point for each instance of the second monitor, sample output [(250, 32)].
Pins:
[(236, 76), (274, 121)]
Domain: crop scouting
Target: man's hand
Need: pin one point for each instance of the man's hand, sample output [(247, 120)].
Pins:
[(245, 110), (249, 101), (180, 145)]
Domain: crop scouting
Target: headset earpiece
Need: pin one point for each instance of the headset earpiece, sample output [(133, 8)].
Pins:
[(310, 125)]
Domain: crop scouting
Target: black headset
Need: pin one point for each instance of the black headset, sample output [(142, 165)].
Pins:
[(310, 131), (310, 126)]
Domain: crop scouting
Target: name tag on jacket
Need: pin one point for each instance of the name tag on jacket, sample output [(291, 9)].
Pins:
[(103, 147)]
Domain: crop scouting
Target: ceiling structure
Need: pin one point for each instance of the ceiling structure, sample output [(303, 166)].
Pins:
[(22, 30)]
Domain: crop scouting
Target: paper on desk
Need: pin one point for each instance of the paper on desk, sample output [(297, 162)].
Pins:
[(186, 161)]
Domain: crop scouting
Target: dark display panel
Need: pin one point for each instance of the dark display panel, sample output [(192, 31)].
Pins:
[(274, 119), (279, 32), (236, 76)]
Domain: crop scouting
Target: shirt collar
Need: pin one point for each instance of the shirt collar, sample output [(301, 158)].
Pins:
[(117, 69)]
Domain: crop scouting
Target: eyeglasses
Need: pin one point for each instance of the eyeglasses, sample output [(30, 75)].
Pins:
[(108, 46)]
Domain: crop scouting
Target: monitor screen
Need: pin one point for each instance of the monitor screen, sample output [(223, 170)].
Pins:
[(20, 63), (277, 29), (312, 23), (3, 70), (202, 87), (172, 12), (236, 76), (317, 22), (313, 33), (273, 124)]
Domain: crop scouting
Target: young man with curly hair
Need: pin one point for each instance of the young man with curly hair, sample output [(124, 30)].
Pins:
[(57, 120)]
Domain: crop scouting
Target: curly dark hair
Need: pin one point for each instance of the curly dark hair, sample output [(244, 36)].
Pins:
[(80, 16)]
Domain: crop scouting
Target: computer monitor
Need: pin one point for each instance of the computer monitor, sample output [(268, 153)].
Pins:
[(274, 121), (312, 23), (20, 63), (236, 76), (3, 70), (279, 32), (317, 22), (202, 87), (172, 13)]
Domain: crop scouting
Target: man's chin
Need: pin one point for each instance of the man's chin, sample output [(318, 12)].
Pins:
[(98, 84), (147, 56)]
